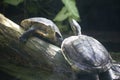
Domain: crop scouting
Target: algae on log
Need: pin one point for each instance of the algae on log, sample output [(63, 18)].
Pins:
[(34, 60)]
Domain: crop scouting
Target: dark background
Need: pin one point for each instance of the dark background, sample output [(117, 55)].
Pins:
[(100, 14)]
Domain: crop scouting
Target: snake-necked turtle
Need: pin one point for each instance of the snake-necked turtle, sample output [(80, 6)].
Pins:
[(85, 53), (45, 28)]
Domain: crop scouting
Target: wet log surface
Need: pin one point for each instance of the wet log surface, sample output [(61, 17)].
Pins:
[(34, 60)]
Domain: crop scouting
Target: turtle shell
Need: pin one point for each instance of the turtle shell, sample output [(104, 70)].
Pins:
[(44, 27), (86, 53)]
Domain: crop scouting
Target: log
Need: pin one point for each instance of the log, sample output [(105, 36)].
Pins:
[(34, 60)]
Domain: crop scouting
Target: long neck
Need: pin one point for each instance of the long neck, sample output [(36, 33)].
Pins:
[(77, 30), (75, 27)]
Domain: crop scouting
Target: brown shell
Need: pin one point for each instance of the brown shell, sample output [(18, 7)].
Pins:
[(46, 28)]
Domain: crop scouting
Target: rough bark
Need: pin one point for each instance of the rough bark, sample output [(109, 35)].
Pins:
[(34, 60)]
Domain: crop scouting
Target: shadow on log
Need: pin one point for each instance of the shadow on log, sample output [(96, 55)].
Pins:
[(35, 60)]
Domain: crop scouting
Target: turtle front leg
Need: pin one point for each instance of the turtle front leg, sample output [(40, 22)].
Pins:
[(105, 75), (24, 37)]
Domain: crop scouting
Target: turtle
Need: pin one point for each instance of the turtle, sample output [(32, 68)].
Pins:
[(41, 27), (85, 54)]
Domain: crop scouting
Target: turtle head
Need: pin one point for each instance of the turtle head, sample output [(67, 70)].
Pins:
[(75, 27), (59, 38)]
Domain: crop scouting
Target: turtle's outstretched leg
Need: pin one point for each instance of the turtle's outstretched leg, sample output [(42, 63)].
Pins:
[(105, 75), (27, 34)]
